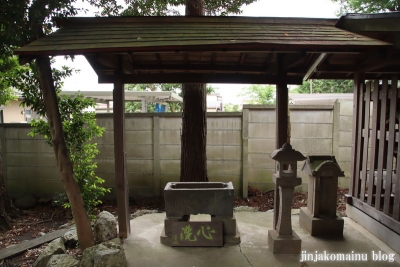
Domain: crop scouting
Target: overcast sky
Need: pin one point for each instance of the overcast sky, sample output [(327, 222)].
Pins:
[(87, 79)]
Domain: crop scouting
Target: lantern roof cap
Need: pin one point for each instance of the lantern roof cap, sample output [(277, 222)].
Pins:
[(287, 153)]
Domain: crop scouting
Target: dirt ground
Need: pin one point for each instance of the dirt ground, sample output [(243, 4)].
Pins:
[(46, 218)]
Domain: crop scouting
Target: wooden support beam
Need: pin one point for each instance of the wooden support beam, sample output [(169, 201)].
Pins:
[(360, 138), (268, 60), (374, 156), (25, 59), (382, 63), (198, 67), (366, 142), (201, 78), (186, 60), (282, 104), (131, 59), (355, 157), (384, 219), (382, 151), (242, 57), (121, 181), (110, 61), (393, 92), (282, 109), (344, 68), (396, 203), (159, 61), (313, 67)]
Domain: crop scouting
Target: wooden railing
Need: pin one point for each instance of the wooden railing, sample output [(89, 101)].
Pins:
[(375, 186)]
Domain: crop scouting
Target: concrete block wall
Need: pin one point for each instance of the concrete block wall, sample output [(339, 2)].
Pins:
[(343, 138), (224, 149), (28, 164), (311, 134), (259, 142), (153, 148), (238, 149)]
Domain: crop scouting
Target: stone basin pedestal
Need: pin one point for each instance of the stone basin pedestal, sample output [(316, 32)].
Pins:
[(183, 199)]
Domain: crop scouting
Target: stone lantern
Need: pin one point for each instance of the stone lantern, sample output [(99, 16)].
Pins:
[(319, 218), (282, 239)]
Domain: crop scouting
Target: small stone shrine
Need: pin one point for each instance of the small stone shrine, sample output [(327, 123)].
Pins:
[(319, 217), (184, 199), (282, 239)]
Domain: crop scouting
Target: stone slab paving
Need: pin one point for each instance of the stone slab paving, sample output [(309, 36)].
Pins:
[(143, 247)]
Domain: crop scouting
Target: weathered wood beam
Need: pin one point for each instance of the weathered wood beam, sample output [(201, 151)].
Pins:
[(375, 214), (366, 141), (356, 68), (374, 155), (159, 61), (200, 78), (282, 104), (293, 59), (25, 59), (197, 67), (379, 64), (268, 60), (282, 109), (121, 181), (358, 117), (108, 60), (97, 66), (383, 147), (242, 57), (393, 111), (318, 61), (131, 59), (186, 58)]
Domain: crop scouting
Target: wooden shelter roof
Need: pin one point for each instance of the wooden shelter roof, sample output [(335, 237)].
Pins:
[(212, 49)]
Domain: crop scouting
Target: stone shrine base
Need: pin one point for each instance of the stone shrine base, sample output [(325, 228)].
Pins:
[(284, 244), (231, 232), (321, 226)]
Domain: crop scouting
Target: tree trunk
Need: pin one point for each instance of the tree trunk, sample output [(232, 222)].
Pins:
[(194, 120), (194, 8), (194, 134), (83, 228)]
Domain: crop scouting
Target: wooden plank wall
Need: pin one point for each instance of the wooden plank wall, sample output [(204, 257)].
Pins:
[(374, 177)]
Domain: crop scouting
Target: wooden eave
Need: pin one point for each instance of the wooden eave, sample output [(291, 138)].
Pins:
[(213, 49)]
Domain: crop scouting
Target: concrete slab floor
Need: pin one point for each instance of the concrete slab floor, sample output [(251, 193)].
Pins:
[(143, 247)]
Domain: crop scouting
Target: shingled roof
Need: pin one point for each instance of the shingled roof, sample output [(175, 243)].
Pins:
[(205, 49)]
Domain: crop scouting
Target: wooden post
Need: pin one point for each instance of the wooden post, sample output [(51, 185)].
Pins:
[(366, 142), (121, 181), (374, 156), (382, 149), (356, 145), (282, 105), (393, 93), (396, 204)]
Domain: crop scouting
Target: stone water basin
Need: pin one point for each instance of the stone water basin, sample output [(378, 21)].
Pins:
[(185, 198)]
